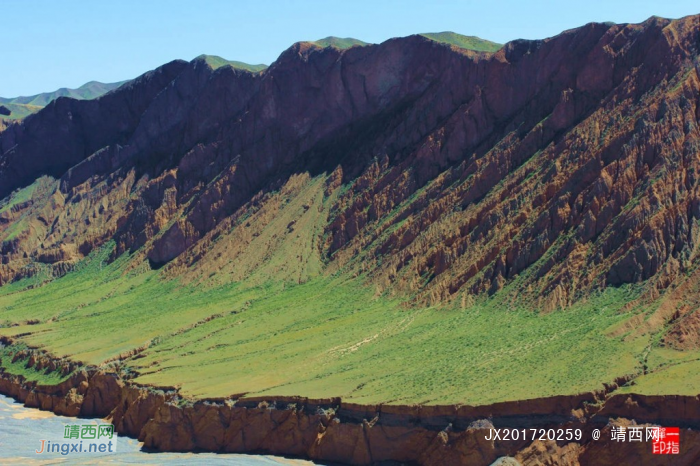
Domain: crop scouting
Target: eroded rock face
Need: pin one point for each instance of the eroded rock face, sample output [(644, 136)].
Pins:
[(100, 396), (567, 164), (331, 430)]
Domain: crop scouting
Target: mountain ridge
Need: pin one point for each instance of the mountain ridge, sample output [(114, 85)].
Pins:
[(339, 42), (89, 90), (558, 116), (216, 61), (24, 106), (465, 42)]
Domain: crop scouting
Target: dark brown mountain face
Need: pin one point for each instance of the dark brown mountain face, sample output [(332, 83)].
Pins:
[(68, 131), (558, 166)]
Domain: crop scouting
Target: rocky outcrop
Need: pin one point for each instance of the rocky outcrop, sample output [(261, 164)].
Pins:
[(5, 111)]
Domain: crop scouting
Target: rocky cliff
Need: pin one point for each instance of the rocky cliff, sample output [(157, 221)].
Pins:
[(561, 166), (331, 430)]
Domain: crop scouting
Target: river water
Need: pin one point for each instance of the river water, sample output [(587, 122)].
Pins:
[(22, 429)]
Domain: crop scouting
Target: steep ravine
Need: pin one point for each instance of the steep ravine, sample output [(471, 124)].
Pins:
[(347, 433)]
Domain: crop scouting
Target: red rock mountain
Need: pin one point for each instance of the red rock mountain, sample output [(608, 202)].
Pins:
[(559, 166)]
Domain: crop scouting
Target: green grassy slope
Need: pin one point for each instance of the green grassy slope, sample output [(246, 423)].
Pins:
[(19, 367), (330, 336), (19, 196), (682, 378), (19, 111), (339, 42), (465, 42), (217, 62), (262, 316)]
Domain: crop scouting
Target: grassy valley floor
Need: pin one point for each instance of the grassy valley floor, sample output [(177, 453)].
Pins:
[(331, 336)]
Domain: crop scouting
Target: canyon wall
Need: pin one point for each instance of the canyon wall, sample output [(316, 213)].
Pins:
[(347, 433)]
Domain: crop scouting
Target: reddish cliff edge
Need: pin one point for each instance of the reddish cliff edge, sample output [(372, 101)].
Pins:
[(334, 431)]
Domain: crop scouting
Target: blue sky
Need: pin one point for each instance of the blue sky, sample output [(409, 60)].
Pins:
[(49, 44)]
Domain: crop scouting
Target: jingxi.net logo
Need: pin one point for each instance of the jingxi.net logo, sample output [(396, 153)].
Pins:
[(80, 439), (666, 441)]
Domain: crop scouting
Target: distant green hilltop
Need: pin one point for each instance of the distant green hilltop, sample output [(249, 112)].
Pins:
[(21, 107), (217, 62), (451, 38), (87, 91), (26, 105), (465, 42), (339, 42)]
